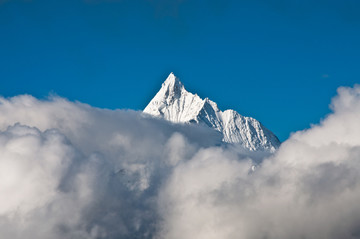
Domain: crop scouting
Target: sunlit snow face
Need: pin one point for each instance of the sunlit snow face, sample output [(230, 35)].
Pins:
[(68, 170)]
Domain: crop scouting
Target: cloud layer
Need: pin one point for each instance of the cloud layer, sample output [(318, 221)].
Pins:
[(69, 170)]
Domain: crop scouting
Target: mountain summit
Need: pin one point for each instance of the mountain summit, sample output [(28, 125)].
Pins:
[(174, 103)]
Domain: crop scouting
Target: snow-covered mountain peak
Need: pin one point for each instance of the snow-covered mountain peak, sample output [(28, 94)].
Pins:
[(171, 78), (172, 82), (174, 103), (171, 89)]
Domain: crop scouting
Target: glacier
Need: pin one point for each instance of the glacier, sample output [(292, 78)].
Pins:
[(174, 103)]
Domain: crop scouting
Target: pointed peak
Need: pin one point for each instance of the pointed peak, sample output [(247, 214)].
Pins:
[(172, 74), (172, 83), (171, 80)]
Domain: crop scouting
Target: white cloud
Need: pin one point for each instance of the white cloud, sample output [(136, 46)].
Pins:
[(68, 170), (308, 189)]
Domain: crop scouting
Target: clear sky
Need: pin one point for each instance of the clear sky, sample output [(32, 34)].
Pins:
[(279, 61)]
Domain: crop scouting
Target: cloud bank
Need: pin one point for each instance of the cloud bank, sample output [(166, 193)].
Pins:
[(69, 170)]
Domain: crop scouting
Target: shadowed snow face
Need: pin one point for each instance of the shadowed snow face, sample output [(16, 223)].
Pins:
[(68, 170)]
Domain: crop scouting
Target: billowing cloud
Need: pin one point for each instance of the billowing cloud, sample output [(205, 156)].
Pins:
[(69, 170)]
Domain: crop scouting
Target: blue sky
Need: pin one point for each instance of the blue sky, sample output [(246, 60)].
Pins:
[(278, 61)]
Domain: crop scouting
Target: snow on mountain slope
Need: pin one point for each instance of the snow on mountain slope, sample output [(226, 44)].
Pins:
[(177, 105)]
